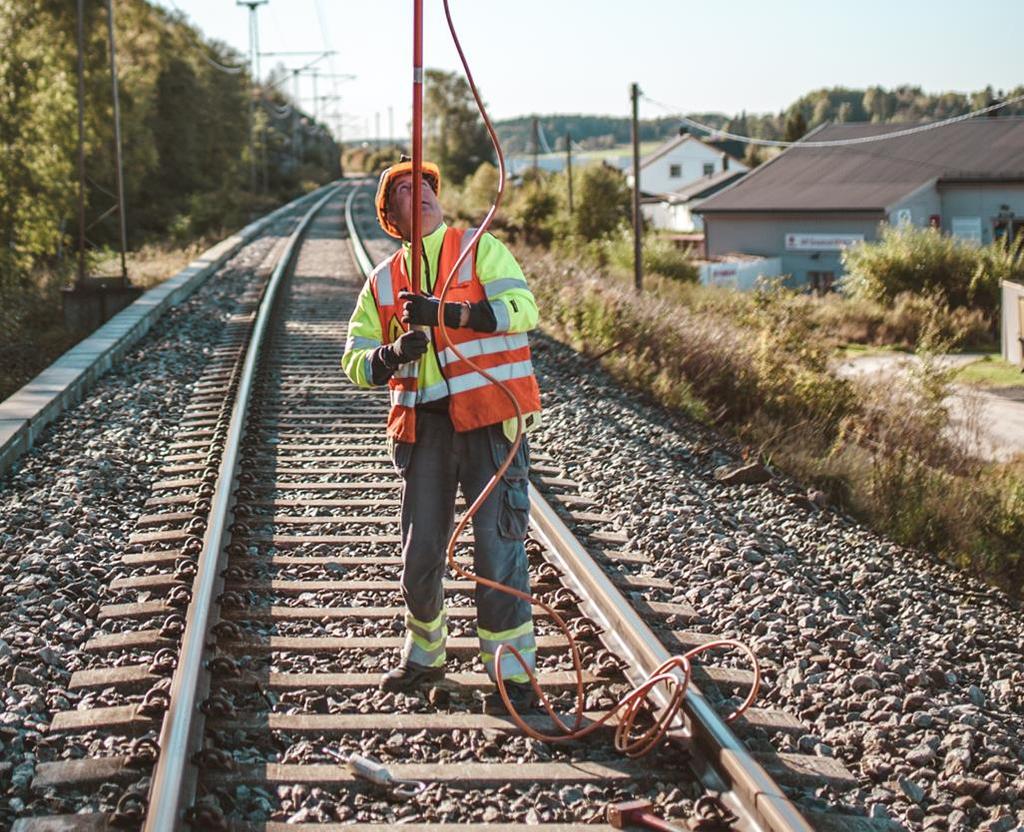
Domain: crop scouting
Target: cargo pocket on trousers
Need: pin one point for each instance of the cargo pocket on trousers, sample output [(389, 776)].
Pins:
[(401, 455), (514, 515)]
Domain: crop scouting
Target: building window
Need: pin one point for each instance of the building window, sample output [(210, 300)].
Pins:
[(709, 168), (675, 171)]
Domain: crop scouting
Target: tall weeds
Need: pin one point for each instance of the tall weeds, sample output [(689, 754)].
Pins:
[(757, 365)]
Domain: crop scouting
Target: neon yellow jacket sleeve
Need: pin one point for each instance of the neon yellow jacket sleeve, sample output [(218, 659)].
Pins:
[(364, 336), (515, 309)]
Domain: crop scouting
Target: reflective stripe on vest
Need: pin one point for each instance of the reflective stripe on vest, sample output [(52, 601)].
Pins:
[(358, 342), (503, 284), (385, 290), (485, 346), (466, 269), (503, 372)]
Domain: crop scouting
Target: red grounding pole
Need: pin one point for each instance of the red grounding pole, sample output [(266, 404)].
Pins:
[(417, 143)]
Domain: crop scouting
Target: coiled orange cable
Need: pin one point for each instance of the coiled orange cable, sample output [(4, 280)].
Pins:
[(632, 703)]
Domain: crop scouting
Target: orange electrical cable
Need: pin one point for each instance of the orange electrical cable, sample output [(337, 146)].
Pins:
[(633, 702)]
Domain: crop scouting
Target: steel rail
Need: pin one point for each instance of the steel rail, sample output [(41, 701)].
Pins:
[(729, 769), (167, 795), (358, 249)]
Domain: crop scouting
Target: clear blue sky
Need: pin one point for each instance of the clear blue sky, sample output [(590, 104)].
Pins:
[(579, 56)]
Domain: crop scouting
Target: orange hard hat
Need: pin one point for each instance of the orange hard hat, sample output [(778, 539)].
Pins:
[(431, 173)]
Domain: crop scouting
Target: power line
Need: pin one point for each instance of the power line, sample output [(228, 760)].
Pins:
[(225, 68), (921, 128)]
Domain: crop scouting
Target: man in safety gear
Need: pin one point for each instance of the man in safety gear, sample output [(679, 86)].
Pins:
[(450, 427)]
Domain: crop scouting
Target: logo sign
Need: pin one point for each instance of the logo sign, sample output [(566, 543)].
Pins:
[(902, 216), (798, 241)]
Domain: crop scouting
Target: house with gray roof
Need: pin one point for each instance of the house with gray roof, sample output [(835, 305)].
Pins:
[(810, 202)]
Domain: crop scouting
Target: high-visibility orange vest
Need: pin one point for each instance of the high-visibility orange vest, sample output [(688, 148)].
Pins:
[(474, 402)]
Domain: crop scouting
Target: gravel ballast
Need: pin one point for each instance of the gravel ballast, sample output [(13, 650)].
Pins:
[(69, 505), (910, 672)]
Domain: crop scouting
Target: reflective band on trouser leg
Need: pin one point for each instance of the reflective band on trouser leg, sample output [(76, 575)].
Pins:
[(520, 637), (424, 640)]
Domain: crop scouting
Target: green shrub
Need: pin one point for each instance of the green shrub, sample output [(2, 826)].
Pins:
[(601, 202), (924, 262), (659, 256)]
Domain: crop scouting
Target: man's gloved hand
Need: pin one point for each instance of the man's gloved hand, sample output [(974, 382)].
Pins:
[(407, 347), (421, 310)]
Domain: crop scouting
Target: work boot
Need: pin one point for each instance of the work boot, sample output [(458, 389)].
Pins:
[(520, 694), (409, 676)]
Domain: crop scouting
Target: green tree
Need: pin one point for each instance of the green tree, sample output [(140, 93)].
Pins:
[(796, 126), (381, 158), (480, 190), (602, 202), (454, 134), (37, 139)]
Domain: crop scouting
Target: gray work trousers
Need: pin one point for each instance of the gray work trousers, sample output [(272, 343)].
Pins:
[(440, 461)]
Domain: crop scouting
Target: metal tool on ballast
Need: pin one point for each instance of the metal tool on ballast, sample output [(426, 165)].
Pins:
[(373, 771)]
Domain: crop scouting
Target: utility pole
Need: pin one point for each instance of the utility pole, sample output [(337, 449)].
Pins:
[(117, 143), (316, 101), (391, 125), (254, 70), (376, 129), (638, 266), (295, 118), (536, 141), (568, 166), (80, 280)]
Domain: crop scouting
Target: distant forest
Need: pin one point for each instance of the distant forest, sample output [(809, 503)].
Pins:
[(903, 104)]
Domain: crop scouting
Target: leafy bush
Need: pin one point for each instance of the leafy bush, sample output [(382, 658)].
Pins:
[(659, 256), (924, 262), (480, 190), (601, 203)]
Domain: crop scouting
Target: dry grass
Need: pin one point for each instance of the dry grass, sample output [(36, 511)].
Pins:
[(757, 366)]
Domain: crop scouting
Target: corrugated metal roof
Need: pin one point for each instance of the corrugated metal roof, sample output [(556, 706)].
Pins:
[(873, 176)]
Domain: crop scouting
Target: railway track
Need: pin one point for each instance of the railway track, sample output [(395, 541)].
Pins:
[(238, 662)]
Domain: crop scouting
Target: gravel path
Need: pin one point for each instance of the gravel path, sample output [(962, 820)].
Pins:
[(910, 672), (68, 507)]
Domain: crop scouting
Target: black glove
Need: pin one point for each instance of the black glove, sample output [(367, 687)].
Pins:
[(407, 347), (421, 310)]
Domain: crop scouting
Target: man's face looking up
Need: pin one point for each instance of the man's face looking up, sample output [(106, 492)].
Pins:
[(400, 206)]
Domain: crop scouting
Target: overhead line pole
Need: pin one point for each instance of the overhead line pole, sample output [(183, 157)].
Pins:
[(417, 143), (117, 143), (536, 141), (254, 71), (568, 166), (80, 279), (638, 266)]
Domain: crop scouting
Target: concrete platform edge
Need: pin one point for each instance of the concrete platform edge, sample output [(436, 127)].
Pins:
[(63, 384)]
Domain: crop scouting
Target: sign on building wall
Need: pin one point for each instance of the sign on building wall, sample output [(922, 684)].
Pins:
[(966, 228), (902, 216), (797, 241)]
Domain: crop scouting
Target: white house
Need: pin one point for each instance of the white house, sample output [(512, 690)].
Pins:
[(671, 177), (673, 210)]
